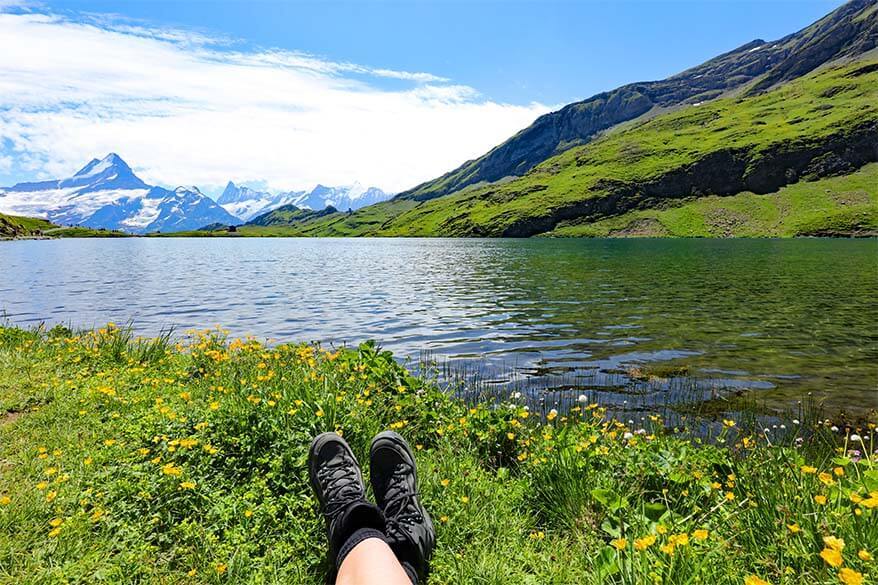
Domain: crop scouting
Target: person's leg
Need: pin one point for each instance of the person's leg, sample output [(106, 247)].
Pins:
[(371, 562), (358, 550)]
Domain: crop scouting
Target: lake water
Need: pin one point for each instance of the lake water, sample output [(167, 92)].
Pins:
[(623, 320)]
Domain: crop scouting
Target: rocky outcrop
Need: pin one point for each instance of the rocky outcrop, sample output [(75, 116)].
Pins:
[(850, 30)]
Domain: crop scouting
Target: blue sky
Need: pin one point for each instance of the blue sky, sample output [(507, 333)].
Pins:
[(289, 93), (552, 51)]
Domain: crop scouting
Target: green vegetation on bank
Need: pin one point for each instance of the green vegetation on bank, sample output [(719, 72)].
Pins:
[(15, 226), (12, 226), (846, 205), (150, 460)]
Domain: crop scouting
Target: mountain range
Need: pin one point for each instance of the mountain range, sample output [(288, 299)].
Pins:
[(748, 123), (247, 203), (106, 194)]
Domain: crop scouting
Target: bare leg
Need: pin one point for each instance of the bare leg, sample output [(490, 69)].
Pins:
[(371, 563)]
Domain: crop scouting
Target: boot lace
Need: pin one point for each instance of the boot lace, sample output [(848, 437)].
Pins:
[(340, 490), (400, 506)]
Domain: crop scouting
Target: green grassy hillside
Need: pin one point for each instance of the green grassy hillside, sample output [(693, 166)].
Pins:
[(846, 205), (798, 131), (13, 226), (16, 226)]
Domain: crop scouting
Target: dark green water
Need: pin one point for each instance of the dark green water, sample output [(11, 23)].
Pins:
[(773, 319)]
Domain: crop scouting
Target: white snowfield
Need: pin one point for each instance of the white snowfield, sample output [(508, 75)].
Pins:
[(62, 206)]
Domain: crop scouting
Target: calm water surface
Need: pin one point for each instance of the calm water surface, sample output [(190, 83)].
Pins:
[(775, 319)]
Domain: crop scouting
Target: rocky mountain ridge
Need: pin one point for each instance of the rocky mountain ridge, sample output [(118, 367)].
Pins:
[(756, 66)]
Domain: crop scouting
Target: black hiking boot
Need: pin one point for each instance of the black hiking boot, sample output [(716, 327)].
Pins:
[(338, 484), (410, 531)]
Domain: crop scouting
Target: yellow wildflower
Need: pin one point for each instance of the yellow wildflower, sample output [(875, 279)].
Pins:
[(831, 556), (794, 527), (5, 500), (445, 482), (464, 499), (850, 577), (820, 499), (644, 543), (839, 471), (808, 469), (864, 555), (754, 580), (619, 543), (221, 568), (834, 543), (700, 534), (187, 485), (825, 478), (50, 497)]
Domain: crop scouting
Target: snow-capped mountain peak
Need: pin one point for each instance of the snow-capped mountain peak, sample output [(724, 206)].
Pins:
[(106, 193)]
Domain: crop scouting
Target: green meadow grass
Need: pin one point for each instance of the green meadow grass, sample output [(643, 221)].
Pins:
[(128, 460)]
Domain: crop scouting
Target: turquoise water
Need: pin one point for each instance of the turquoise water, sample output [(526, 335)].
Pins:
[(626, 319)]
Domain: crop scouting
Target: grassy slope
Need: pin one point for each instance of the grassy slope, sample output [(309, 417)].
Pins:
[(15, 226), (843, 205), (138, 461), (813, 107)]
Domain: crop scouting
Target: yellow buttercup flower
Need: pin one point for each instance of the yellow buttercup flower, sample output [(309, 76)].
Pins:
[(832, 557), (834, 543), (700, 534), (808, 469), (825, 478), (864, 555), (644, 543), (850, 577), (819, 499), (754, 580), (5, 500), (794, 528), (619, 543)]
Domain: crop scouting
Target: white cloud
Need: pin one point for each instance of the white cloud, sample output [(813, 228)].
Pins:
[(184, 108)]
